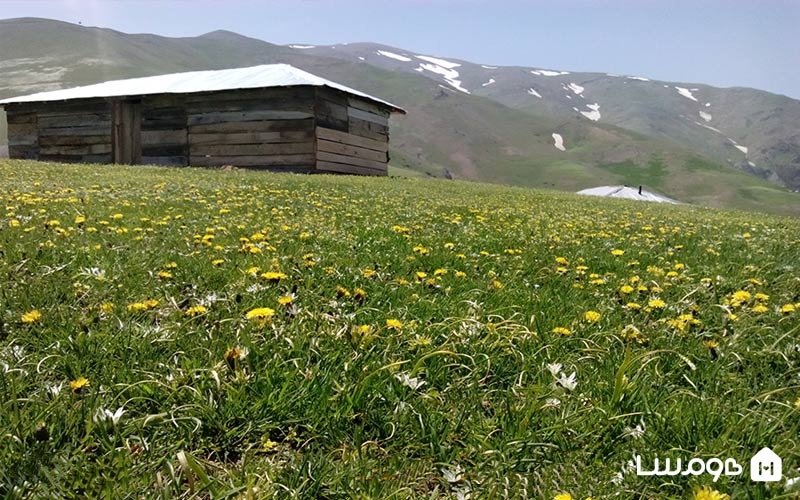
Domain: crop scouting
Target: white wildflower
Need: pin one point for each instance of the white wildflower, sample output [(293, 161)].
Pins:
[(412, 383)]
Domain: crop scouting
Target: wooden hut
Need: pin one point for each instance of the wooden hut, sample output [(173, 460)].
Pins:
[(275, 117)]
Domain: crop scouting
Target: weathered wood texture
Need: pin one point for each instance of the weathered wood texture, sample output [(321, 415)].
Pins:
[(126, 132), (341, 152), (164, 133), (298, 129), (67, 132), (253, 129)]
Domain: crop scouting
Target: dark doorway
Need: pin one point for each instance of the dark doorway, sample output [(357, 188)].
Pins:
[(126, 132)]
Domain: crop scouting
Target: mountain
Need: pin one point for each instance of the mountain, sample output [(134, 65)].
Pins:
[(752, 130), (470, 121)]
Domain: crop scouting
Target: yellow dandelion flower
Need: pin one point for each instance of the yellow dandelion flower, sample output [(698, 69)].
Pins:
[(420, 275), (797, 403), (368, 273), (273, 276), (107, 307), (633, 305), (342, 291), (285, 300), (707, 493), (760, 308), (617, 252), (656, 304), (562, 331), (164, 275), (171, 265), (359, 294), (591, 316), (32, 316), (497, 284), (761, 297), (80, 219), (440, 272), (260, 313), (563, 496), (711, 344), (788, 308), (394, 324), (196, 310), (626, 289), (460, 274), (79, 384), (562, 261)]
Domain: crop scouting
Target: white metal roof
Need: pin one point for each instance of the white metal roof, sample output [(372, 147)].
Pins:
[(267, 75), (626, 192)]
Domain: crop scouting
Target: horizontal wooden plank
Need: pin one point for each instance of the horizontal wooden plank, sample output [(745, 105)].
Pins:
[(76, 120), (169, 161), (345, 138), (251, 137), (287, 148), (99, 159), (246, 94), (164, 136), (92, 149), (258, 126), (348, 150), (367, 116), (69, 108), (75, 131), (333, 95), (74, 140), (254, 161), (18, 118), (165, 150), (23, 152), (246, 116), (349, 160), (369, 130), (262, 104), (22, 140), (340, 168), (370, 107)]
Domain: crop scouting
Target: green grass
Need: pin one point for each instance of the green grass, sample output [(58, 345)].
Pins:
[(326, 399)]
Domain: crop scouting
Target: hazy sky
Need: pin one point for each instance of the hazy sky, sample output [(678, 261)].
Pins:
[(751, 43)]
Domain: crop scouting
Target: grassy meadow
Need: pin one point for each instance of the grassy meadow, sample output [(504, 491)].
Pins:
[(188, 333)]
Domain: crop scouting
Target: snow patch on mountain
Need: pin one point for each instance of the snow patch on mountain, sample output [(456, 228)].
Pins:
[(546, 72), (708, 127), (484, 66), (640, 78), (575, 88), (302, 46), (450, 75), (594, 114), (741, 148), (439, 62), (708, 104), (705, 116), (361, 58), (686, 93), (532, 91), (491, 81), (558, 142), (392, 55)]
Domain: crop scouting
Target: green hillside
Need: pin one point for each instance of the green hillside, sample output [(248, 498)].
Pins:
[(231, 334), (445, 132)]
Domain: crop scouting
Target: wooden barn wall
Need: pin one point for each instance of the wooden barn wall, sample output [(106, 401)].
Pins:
[(352, 134), (259, 128), (164, 131), (67, 132)]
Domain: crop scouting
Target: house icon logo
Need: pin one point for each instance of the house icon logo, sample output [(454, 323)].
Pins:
[(766, 466)]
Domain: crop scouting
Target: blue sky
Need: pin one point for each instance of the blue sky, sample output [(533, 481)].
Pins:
[(719, 42)]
